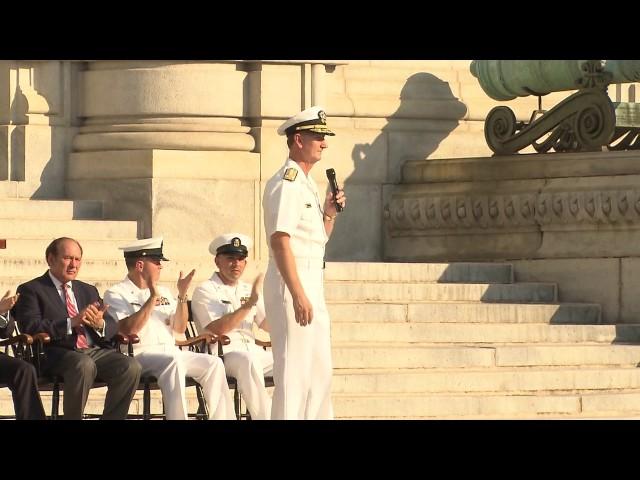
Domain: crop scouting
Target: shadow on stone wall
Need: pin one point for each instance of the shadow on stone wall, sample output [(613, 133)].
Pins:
[(53, 174), (19, 108), (427, 114), (38, 130)]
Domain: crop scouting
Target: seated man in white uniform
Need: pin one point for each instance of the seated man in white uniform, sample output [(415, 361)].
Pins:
[(144, 308), (226, 305)]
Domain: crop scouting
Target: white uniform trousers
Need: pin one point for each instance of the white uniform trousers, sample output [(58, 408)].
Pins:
[(249, 369), (171, 368), (302, 367)]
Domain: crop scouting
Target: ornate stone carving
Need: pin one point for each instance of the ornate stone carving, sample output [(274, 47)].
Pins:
[(604, 207)]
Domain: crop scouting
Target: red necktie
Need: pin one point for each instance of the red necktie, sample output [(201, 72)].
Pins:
[(81, 341)]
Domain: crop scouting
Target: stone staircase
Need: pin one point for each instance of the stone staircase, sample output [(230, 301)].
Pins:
[(30, 225), (410, 340), (464, 341)]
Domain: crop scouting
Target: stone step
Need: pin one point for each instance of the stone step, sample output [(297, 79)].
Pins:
[(366, 356), (605, 404), (21, 208), (50, 229), (370, 312), (573, 354), (420, 272), (565, 313), (625, 405), (11, 283), (397, 333), (104, 269), (106, 272), (478, 406), (382, 355), (34, 248), (101, 256), (510, 293), (612, 403), (21, 253), (459, 406), (514, 380), (95, 403), (464, 312)]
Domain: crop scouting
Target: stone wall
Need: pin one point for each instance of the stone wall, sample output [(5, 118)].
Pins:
[(172, 143), (184, 148), (37, 123)]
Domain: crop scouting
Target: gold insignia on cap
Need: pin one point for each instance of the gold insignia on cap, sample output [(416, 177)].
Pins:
[(235, 242), (290, 174), (322, 116)]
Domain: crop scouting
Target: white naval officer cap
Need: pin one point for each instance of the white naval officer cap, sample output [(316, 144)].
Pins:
[(231, 243), (311, 120), (146, 247)]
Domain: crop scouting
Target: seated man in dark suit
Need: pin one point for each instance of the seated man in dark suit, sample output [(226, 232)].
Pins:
[(18, 375), (71, 312)]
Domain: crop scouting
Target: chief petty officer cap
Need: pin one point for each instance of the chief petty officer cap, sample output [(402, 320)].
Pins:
[(310, 120), (147, 247), (235, 243)]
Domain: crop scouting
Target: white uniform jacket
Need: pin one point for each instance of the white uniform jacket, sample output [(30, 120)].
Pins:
[(213, 299), (125, 299)]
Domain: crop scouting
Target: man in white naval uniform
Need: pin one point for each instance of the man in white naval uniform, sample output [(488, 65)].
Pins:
[(297, 228), (142, 307), (226, 305)]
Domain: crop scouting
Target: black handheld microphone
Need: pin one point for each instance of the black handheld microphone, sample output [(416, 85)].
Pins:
[(331, 176)]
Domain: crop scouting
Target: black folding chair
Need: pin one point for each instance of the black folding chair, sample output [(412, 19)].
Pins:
[(53, 383), (19, 345), (200, 343), (192, 331)]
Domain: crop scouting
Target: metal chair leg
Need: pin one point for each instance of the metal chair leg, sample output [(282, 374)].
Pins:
[(146, 402), (55, 401), (203, 409), (236, 403)]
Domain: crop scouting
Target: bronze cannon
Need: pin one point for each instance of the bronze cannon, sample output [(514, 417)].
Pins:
[(585, 121)]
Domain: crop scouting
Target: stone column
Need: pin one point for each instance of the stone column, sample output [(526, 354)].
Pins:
[(280, 89), (179, 146), (167, 144), (36, 121)]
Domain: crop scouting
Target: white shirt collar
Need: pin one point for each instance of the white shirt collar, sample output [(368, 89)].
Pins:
[(215, 278), (134, 288), (57, 282)]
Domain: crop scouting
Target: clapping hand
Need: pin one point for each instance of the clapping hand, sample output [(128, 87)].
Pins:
[(8, 301), (92, 316), (183, 283)]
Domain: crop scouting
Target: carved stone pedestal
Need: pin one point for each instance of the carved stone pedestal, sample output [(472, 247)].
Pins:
[(573, 216)]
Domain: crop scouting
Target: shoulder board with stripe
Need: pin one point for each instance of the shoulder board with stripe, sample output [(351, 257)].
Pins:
[(290, 174)]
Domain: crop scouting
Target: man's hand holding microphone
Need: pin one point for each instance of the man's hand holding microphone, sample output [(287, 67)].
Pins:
[(335, 200)]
